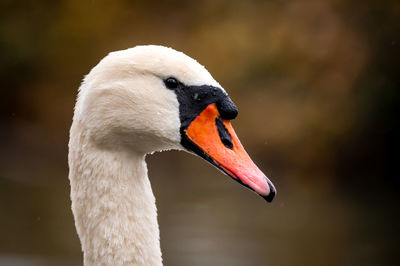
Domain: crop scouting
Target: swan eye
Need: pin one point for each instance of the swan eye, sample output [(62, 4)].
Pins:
[(171, 83)]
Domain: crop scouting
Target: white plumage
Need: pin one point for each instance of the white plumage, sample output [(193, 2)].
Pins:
[(124, 111)]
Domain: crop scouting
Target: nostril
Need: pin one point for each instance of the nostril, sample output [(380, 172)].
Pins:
[(224, 135)]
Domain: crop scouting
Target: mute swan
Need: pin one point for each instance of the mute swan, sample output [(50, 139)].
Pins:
[(134, 102)]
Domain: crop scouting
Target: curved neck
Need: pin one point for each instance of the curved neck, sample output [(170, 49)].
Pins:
[(113, 205)]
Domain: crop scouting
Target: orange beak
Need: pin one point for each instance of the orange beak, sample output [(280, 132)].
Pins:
[(218, 141)]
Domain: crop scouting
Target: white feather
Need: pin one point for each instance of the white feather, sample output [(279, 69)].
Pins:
[(123, 111)]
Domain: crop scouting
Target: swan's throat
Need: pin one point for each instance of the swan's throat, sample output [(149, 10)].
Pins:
[(114, 206)]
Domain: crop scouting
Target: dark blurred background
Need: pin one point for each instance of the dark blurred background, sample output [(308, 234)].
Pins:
[(317, 86)]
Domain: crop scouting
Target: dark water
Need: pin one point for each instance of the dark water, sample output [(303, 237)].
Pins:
[(206, 219)]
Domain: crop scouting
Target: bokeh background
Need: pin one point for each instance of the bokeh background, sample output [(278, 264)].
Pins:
[(317, 86)]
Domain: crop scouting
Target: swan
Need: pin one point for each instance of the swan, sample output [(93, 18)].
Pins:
[(135, 102)]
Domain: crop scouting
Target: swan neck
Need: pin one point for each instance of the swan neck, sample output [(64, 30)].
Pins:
[(113, 205)]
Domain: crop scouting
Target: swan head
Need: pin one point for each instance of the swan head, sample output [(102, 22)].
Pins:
[(152, 98)]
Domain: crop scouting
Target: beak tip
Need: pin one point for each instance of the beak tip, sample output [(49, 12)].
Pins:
[(270, 197), (272, 192)]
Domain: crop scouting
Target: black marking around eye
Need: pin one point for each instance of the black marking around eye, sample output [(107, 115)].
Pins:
[(194, 99), (224, 135)]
